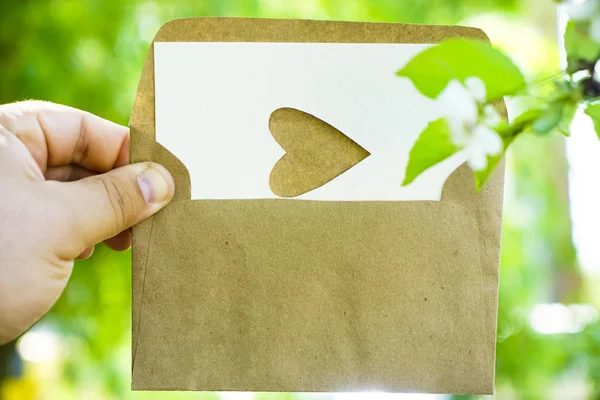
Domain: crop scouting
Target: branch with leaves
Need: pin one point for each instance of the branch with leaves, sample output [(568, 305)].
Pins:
[(469, 78)]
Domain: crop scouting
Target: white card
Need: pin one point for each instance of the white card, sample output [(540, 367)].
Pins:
[(214, 101)]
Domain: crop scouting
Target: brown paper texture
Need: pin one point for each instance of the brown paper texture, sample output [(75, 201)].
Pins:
[(284, 295), (315, 152)]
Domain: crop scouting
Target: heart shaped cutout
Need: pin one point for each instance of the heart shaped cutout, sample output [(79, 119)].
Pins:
[(316, 152)]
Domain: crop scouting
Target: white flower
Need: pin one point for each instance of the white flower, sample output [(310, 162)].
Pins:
[(587, 10), (595, 29), (582, 10), (471, 122)]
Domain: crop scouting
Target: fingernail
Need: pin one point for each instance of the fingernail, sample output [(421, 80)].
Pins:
[(156, 184)]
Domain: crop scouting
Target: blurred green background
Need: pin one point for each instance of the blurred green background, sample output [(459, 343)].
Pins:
[(89, 54)]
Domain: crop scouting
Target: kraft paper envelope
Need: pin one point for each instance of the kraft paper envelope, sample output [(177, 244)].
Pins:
[(309, 296)]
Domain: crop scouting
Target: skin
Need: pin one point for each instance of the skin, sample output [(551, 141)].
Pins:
[(65, 185)]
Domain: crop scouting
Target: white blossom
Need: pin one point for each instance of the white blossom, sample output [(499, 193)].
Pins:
[(582, 10), (587, 10), (471, 122), (595, 29)]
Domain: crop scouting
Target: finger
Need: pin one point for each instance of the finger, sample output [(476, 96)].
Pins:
[(121, 242), (59, 135), (67, 173), (15, 159), (70, 173), (87, 253), (102, 206)]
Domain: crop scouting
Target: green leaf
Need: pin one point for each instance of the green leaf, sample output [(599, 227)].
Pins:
[(432, 147), (557, 116), (520, 124), (579, 45), (593, 110), (432, 70), (568, 115), (549, 119), (527, 118), (482, 176)]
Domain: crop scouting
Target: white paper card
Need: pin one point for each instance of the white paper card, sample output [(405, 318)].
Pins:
[(214, 101)]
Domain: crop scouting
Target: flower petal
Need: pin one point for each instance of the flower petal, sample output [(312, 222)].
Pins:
[(457, 102), (487, 140), (459, 109), (491, 116), (582, 11), (595, 30), (477, 88), (476, 158), (458, 135)]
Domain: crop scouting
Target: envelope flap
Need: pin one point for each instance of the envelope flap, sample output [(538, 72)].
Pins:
[(147, 149)]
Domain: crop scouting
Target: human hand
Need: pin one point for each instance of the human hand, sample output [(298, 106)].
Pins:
[(64, 186)]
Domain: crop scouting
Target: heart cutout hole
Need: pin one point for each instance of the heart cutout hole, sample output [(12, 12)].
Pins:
[(315, 152)]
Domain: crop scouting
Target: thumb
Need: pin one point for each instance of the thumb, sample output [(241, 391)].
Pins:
[(102, 206)]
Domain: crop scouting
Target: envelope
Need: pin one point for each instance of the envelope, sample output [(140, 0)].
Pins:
[(312, 296)]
